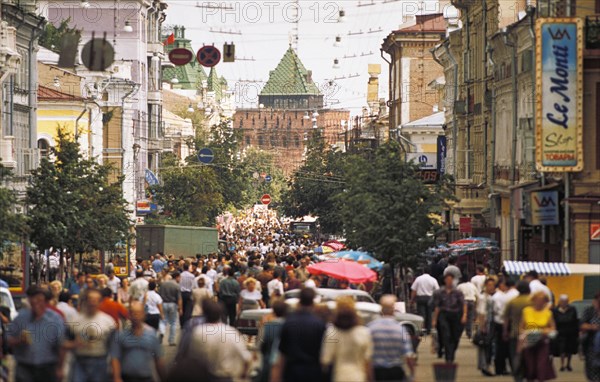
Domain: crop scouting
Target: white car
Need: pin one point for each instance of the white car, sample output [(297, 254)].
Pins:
[(7, 301), (366, 307)]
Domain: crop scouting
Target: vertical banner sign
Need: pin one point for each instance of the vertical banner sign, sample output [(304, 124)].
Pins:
[(465, 225), (441, 155), (544, 208), (559, 76)]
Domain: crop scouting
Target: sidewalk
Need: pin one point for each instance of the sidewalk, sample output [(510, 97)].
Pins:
[(466, 358)]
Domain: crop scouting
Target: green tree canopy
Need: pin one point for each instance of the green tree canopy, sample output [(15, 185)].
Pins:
[(52, 36), (72, 205), (386, 208), (315, 184)]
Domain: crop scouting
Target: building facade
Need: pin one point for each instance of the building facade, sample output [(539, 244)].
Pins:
[(490, 102), (411, 68), (290, 109)]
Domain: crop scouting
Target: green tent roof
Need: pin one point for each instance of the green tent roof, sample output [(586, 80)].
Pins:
[(290, 77)]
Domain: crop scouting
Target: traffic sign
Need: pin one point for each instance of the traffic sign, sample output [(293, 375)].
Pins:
[(206, 155), (97, 54), (266, 199), (180, 56), (208, 56), (228, 52), (268, 178), (255, 175)]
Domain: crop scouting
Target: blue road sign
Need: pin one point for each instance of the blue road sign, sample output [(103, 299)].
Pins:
[(206, 155), (151, 179), (268, 178)]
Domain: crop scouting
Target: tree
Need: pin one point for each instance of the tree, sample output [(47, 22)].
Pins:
[(13, 226), (51, 37), (386, 208), (259, 161), (315, 184), (72, 204), (188, 195)]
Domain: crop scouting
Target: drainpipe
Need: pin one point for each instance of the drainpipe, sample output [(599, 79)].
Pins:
[(454, 119), (513, 160), (485, 89), (123, 134), (567, 238), (77, 122), (33, 84), (490, 54), (390, 127)]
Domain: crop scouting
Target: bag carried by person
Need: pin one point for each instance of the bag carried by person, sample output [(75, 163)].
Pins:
[(482, 339)]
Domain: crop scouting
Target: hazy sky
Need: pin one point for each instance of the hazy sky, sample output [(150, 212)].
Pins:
[(265, 28)]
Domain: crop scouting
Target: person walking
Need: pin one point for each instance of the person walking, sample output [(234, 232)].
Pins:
[(37, 339), (154, 307), (505, 292), (349, 346), (300, 349), (513, 315), (220, 346), (138, 287), (453, 269), (275, 286), (590, 327), (567, 324), (229, 295), (93, 331), (198, 295), (470, 291), (170, 292), (484, 337), (392, 345), (109, 306), (268, 338), (451, 312), (135, 350), (537, 328), (114, 283), (187, 282), (422, 290), (123, 295), (479, 279)]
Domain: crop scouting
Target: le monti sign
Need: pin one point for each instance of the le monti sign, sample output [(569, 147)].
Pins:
[(427, 161), (559, 73)]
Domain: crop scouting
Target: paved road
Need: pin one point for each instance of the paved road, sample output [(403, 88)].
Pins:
[(467, 366)]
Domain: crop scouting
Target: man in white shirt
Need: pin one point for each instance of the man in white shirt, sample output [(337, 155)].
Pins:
[(422, 290), (506, 292), (470, 291), (219, 346), (479, 279), (535, 285), (275, 286)]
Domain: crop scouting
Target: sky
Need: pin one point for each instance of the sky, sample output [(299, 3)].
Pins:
[(261, 31)]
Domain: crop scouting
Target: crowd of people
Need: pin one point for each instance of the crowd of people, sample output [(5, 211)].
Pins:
[(103, 328), (518, 327)]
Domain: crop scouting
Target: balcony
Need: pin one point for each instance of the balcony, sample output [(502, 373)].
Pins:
[(592, 32)]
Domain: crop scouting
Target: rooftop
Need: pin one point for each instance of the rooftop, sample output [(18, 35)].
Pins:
[(435, 120), (49, 94), (434, 22), (290, 77)]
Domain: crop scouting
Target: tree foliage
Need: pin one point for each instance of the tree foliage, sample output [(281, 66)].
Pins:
[(315, 184), (51, 37), (386, 208), (188, 194), (13, 226), (262, 162), (72, 204)]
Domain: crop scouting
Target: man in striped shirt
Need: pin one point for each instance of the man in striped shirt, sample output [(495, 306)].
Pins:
[(391, 345)]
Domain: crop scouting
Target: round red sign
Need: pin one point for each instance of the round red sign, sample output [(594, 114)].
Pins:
[(208, 56), (180, 56), (266, 199)]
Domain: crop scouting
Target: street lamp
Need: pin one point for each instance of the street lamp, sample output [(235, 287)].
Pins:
[(338, 41), (190, 109), (155, 57), (127, 28), (56, 82), (306, 116), (315, 114), (341, 16), (174, 81), (85, 4), (336, 63)]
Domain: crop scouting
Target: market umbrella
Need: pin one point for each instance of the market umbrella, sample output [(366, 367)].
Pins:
[(360, 257), (344, 270), (335, 245), (323, 249)]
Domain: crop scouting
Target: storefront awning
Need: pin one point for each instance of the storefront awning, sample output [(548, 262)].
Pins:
[(545, 269)]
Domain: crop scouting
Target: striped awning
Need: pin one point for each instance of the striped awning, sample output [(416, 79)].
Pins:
[(546, 269)]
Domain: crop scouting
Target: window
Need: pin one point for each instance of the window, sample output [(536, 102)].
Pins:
[(297, 141), (22, 75), (44, 147), (248, 140), (261, 141)]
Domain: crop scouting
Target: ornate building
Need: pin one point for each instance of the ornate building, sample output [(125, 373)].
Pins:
[(291, 108)]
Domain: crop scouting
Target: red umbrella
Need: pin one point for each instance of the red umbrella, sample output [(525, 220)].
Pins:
[(465, 242), (335, 245), (345, 270)]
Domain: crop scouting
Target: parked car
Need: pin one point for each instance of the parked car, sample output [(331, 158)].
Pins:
[(367, 309), (7, 302)]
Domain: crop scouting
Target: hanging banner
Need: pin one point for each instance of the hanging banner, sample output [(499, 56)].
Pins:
[(441, 154), (559, 73), (544, 208)]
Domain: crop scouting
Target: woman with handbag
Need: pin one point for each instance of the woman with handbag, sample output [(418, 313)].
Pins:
[(485, 332), (537, 329)]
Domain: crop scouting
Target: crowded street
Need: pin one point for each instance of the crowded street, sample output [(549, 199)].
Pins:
[(299, 191)]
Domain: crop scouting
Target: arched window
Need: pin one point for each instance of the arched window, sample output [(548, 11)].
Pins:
[(44, 147)]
